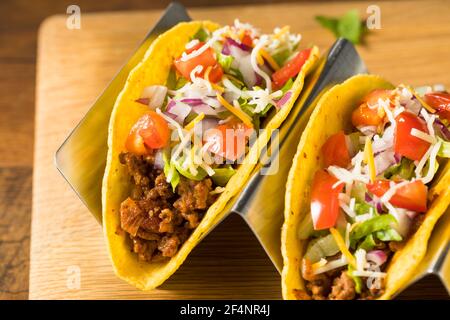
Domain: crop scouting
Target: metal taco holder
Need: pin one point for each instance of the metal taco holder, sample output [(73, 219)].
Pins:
[(260, 202)]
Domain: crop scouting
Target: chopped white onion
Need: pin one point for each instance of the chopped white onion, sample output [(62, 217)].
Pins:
[(159, 162), (180, 110), (155, 95)]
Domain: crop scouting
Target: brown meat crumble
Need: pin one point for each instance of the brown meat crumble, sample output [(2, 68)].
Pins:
[(338, 285), (158, 220)]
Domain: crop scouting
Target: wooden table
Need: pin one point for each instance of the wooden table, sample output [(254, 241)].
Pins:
[(229, 262)]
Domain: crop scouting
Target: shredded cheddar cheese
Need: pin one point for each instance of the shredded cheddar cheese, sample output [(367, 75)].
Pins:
[(342, 247), (213, 85), (422, 102), (217, 87), (259, 58), (281, 32), (237, 112), (269, 59), (196, 120), (234, 79), (368, 157)]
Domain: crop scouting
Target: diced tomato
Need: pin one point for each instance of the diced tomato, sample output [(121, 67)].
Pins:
[(228, 140), (366, 116), (324, 200), (335, 151), (406, 144), (135, 144), (216, 73), (440, 101), (290, 69), (205, 59), (247, 39), (412, 196), (150, 131), (373, 97)]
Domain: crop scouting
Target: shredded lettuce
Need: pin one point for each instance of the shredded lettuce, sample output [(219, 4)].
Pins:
[(444, 150), (201, 35), (282, 56), (287, 85), (355, 141), (321, 247), (305, 228), (381, 222), (191, 116), (201, 174), (368, 243), (181, 82), (388, 235), (404, 169), (171, 81), (223, 175), (356, 280), (359, 192), (427, 167), (237, 74), (363, 208), (225, 61), (169, 169)]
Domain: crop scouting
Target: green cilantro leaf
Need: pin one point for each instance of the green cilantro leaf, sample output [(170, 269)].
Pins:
[(349, 26)]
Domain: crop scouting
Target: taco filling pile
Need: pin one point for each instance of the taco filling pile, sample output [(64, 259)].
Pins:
[(372, 193), (182, 152)]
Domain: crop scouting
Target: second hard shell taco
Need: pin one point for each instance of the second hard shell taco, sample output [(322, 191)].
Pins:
[(368, 183)]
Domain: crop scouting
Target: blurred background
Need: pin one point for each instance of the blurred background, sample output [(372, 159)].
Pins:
[(19, 23)]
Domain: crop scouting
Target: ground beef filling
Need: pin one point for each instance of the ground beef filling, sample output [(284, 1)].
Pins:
[(338, 285), (158, 220)]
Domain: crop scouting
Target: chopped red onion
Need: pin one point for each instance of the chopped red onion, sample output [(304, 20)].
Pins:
[(377, 204), (143, 101), (230, 42), (397, 158), (259, 80), (192, 101), (172, 116), (226, 49), (442, 128), (156, 95), (170, 105), (377, 256), (282, 101), (379, 207), (179, 110)]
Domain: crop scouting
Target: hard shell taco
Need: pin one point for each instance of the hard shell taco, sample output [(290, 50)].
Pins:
[(368, 183), (179, 138)]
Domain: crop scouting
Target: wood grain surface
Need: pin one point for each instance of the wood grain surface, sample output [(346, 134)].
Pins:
[(413, 46)]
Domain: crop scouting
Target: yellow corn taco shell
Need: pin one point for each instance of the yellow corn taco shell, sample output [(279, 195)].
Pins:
[(333, 113), (154, 69)]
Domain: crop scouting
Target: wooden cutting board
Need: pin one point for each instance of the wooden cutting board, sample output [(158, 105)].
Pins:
[(75, 65)]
